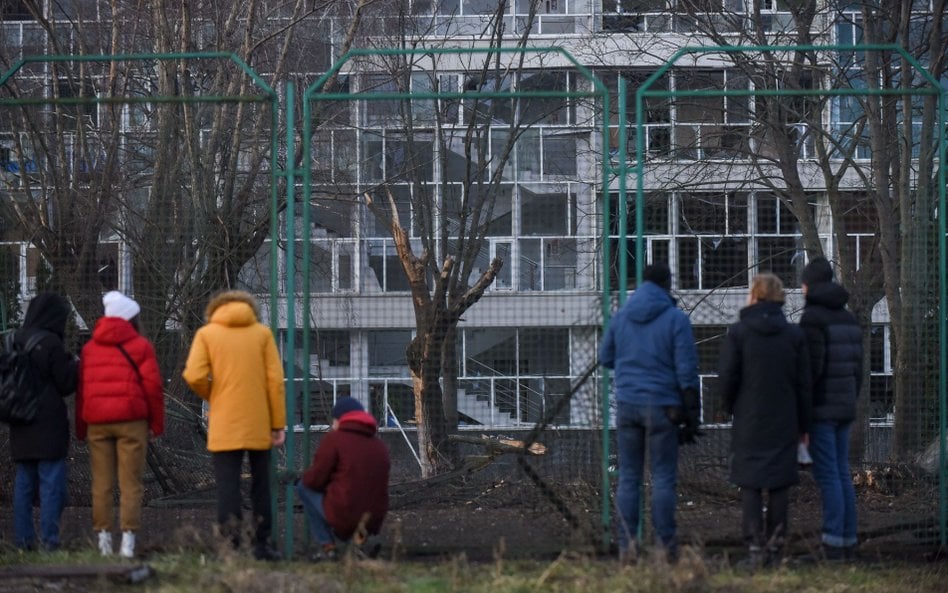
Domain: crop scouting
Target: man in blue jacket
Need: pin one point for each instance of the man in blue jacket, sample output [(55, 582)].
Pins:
[(650, 346)]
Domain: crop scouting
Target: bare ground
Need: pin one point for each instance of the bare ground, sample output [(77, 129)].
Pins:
[(483, 519)]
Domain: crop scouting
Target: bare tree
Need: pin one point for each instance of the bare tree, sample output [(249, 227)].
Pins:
[(873, 169), (904, 175), (183, 180), (180, 179), (62, 176)]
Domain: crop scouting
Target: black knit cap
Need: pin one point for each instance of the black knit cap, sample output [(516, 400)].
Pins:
[(658, 273), (344, 405), (818, 270)]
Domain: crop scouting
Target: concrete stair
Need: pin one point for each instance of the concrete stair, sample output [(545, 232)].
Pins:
[(480, 411)]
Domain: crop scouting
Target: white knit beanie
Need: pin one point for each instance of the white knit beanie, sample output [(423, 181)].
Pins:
[(119, 305)]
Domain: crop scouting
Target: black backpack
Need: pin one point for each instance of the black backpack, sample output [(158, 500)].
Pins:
[(19, 403)]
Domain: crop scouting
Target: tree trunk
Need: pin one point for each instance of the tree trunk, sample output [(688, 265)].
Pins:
[(449, 379), (857, 437), (916, 369), (429, 408)]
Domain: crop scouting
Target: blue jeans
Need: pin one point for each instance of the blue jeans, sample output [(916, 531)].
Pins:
[(48, 477), (637, 426), (829, 448), (319, 527)]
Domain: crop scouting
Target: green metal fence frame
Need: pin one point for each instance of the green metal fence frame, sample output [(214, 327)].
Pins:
[(315, 93), (935, 89), (621, 171), (268, 95)]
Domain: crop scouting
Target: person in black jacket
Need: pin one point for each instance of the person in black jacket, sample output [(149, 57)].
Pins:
[(39, 448), (765, 384), (835, 341)]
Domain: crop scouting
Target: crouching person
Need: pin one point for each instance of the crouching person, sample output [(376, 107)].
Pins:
[(345, 490)]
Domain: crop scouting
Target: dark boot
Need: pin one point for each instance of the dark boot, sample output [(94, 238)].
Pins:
[(754, 561), (851, 553), (774, 556), (834, 553), (263, 551)]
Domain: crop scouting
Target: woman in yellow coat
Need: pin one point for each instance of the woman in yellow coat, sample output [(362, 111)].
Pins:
[(234, 364)]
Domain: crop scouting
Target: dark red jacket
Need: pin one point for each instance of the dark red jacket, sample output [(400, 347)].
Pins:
[(351, 468), (110, 389)]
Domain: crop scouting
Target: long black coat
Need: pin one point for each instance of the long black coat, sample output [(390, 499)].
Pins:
[(55, 372), (765, 382)]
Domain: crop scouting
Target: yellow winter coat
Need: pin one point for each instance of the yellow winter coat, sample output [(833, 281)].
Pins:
[(234, 364)]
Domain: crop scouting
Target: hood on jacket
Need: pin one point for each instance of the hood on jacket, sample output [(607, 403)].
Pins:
[(47, 311), (827, 294), (113, 330), (764, 317), (648, 302), (358, 421), (244, 312)]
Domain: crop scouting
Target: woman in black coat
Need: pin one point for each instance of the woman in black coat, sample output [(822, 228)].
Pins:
[(39, 449), (765, 384)]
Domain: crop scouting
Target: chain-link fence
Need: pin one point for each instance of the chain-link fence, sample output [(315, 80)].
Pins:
[(740, 175), (447, 239)]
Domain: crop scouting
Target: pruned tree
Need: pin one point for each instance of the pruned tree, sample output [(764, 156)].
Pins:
[(441, 190)]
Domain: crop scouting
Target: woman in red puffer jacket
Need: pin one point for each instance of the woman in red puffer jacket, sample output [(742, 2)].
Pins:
[(119, 406)]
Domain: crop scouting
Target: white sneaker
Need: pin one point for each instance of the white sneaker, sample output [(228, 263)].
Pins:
[(105, 543), (128, 545)]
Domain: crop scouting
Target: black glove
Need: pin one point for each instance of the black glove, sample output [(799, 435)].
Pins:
[(688, 430)]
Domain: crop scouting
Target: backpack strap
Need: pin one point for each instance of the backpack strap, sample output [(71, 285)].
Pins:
[(34, 340), (31, 343)]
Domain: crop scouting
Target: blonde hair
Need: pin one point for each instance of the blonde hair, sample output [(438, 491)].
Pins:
[(767, 287)]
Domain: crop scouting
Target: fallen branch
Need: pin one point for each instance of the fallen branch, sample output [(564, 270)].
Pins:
[(498, 446)]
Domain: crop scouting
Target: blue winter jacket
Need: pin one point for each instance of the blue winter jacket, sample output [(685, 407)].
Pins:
[(650, 346)]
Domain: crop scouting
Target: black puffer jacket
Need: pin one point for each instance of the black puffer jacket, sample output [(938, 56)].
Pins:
[(765, 382), (55, 372), (835, 341)]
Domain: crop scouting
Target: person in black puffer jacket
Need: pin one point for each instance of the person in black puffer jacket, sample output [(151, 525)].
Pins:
[(835, 341), (39, 449), (765, 383)]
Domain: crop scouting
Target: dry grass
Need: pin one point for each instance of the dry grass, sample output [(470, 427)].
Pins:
[(192, 571)]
